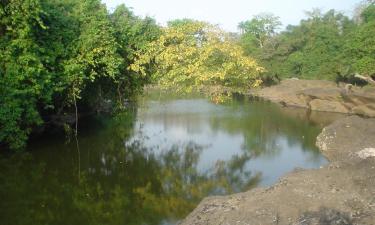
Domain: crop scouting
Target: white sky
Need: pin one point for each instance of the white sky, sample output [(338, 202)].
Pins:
[(229, 13)]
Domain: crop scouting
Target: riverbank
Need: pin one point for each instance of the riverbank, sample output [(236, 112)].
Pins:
[(343, 192), (318, 95)]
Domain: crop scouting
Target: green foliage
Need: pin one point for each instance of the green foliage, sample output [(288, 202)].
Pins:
[(360, 46), (24, 77), (324, 46), (368, 14), (133, 34), (260, 29), (55, 51)]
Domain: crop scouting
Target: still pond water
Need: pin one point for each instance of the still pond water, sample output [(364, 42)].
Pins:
[(153, 164)]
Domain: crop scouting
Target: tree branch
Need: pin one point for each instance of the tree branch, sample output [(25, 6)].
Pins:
[(76, 138)]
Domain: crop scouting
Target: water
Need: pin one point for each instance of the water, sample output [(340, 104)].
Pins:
[(153, 164)]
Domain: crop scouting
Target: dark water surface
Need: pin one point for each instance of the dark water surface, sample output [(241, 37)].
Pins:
[(153, 164)]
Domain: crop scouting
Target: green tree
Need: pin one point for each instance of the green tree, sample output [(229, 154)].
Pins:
[(95, 60), (360, 46), (312, 50), (260, 29), (59, 54), (24, 77), (133, 34)]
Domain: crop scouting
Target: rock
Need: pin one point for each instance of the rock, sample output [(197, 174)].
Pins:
[(328, 106), (364, 110), (325, 216), (366, 153), (319, 95), (325, 93), (345, 137)]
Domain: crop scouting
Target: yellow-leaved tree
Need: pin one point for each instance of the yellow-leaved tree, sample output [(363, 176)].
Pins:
[(192, 54)]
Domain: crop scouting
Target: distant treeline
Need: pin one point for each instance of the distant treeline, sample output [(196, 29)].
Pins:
[(327, 45), (55, 54)]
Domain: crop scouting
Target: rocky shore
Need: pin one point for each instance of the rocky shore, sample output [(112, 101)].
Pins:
[(341, 193), (317, 95)]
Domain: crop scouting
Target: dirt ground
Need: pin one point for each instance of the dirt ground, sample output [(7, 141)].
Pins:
[(341, 193)]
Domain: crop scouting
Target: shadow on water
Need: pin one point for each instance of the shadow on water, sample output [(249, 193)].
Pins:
[(154, 164)]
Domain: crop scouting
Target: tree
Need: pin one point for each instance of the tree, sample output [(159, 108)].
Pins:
[(192, 54), (24, 78), (313, 49), (260, 29), (259, 40), (60, 55), (95, 59), (133, 34), (360, 46), (324, 35)]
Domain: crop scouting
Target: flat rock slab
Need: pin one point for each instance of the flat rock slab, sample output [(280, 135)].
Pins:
[(345, 138), (341, 193), (323, 96), (328, 106)]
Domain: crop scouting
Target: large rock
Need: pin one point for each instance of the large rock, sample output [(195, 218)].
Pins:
[(328, 106), (288, 92), (343, 139), (321, 96), (364, 110)]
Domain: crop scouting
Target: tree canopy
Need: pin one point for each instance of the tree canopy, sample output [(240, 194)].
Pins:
[(190, 54), (325, 45), (260, 29), (56, 51)]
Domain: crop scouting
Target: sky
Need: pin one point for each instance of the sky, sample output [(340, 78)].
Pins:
[(228, 13)]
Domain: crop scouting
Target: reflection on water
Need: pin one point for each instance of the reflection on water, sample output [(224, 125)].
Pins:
[(153, 164)]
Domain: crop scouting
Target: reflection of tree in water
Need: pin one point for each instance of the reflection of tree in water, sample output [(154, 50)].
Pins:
[(150, 188), (121, 184), (263, 123)]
